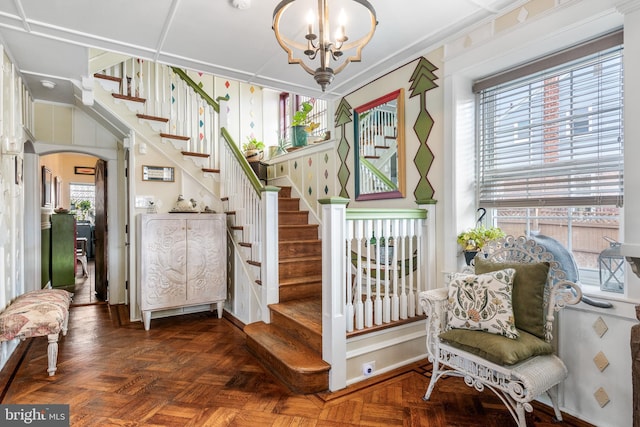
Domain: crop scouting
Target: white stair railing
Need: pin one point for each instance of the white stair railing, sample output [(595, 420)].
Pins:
[(375, 129), (373, 180), (194, 126), (385, 270), (161, 92), (256, 211), (365, 283)]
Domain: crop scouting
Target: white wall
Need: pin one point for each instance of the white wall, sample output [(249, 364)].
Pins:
[(529, 32)]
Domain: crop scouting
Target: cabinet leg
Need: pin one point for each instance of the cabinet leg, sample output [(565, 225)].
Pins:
[(220, 305), (146, 318)]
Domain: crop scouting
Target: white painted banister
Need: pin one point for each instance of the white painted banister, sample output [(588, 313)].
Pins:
[(384, 265), (256, 210), (375, 262), (166, 94), (335, 313)]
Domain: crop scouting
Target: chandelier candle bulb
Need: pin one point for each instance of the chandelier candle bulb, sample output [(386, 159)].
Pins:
[(310, 19)]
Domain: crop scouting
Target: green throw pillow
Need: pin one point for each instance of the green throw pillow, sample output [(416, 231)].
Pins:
[(528, 292), (497, 348)]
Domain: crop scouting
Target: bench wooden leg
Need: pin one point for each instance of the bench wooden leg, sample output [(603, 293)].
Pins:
[(52, 353), (65, 324)]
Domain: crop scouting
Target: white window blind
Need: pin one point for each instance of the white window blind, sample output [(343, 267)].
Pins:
[(554, 137)]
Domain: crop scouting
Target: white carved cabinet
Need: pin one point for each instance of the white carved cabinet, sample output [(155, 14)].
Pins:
[(182, 261)]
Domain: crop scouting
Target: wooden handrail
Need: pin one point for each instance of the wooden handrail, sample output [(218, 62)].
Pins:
[(242, 161), (196, 88)]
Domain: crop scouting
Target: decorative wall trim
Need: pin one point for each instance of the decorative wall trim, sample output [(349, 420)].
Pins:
[(343, 116), (422, 81)]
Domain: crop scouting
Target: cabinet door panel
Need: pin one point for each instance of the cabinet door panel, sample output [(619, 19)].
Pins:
[(206, 258), (164, 266)]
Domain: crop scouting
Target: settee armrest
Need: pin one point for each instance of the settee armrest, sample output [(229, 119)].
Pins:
[(434, 303), (561, 294)]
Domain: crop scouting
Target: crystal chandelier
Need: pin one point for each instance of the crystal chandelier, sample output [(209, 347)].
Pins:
[(333, 54)]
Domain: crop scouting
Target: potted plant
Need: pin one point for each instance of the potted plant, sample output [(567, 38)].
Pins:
[(82, 209), (301, 125), (474, 239), (253, 149)]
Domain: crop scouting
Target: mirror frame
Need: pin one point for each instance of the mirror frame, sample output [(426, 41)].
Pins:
[(397, 95)]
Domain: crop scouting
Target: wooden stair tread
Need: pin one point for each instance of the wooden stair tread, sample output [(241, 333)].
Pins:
[(296, 356), (292, 281), (128, 98), (154, 118), (299, 259), (210, 170), (306, 312), (178, 137), (298, 226), (194, 154), (106, 77)]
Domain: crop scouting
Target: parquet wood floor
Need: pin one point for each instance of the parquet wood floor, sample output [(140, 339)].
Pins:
[(194, 370)]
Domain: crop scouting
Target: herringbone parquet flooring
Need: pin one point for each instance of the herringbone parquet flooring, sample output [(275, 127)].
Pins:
[(194, 370)]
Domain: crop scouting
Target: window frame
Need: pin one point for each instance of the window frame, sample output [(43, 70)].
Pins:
[(611, 41)]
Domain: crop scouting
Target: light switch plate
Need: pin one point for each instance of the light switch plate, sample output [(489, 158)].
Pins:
[(143, 201)]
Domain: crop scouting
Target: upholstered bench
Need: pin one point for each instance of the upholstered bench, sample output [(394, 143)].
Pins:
[(38, 313)]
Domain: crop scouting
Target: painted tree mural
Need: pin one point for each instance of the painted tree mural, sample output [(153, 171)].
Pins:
[(422, 81), (343, 116)]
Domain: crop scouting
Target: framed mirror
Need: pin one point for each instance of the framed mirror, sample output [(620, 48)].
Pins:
[(379, 148)]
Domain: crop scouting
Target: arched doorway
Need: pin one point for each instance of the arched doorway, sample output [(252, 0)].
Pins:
[(78, 199), (115, 182)]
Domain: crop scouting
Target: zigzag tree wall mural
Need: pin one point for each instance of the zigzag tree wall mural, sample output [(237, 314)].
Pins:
[(423, 81), (343, 116)]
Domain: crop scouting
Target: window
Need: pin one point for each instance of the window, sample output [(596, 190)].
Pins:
[(550, 148), (290, 103), (80, 194)]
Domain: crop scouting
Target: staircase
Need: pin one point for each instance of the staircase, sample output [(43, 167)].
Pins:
[(291, 345)]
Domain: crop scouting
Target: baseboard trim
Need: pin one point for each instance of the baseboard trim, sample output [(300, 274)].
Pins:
[(10, 369)]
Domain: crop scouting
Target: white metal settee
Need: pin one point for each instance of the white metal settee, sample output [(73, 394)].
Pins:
[(471, 332)]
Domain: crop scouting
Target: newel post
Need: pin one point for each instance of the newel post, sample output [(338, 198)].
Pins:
[(269, 250), (429, 244), (334, 324)]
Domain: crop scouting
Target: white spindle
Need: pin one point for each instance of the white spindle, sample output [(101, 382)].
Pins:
[(349, 283), (368, 305), (12, 103), (393, 271)]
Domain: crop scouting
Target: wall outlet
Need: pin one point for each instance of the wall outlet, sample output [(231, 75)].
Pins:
[(368, 368)]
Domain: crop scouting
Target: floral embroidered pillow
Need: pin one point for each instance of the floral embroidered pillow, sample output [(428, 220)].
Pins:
[(482, 302)]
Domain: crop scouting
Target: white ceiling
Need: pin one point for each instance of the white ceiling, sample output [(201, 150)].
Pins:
[(52, 39)]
